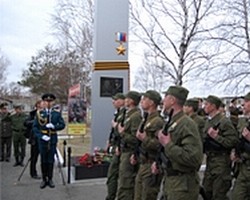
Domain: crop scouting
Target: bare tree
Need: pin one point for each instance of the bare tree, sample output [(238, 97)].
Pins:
[(174, 31), (14, 89), (232, 69), (151, 74), (73, 27), (4, 63)]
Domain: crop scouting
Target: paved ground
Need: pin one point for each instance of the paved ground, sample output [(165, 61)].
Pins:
[(28, 188)]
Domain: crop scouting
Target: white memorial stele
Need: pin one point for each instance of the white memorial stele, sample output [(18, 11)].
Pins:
[(110, 67)]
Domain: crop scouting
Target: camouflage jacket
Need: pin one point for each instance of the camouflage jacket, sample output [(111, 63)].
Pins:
[(227, 136), (17, 123), (185, 149), (5, 125), (151, 144), (200, 123), (131, 124), (244, 122)]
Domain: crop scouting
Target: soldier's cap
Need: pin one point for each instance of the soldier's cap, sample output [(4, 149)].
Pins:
[(153, 95), (135, 96), (2, 105), (18, 106), (48, 97), (179, 92), (247, 97), (214, 100), (118, 96), (193, 102)]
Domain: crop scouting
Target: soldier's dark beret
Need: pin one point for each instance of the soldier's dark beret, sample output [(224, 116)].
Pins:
[(153, 95), (135, 96), (118, 96), (48, 97), (177, 91), (214, 100), (247, 96)]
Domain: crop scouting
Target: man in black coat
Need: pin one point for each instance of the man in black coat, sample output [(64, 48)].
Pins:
[(34, 150)]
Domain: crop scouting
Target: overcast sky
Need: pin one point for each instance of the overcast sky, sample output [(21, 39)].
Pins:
[(24, 29)]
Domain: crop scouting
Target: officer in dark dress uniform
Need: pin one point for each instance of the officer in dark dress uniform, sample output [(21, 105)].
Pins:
[(46, 125)]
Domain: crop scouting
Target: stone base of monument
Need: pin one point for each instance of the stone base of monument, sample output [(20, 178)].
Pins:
[(98, 170)]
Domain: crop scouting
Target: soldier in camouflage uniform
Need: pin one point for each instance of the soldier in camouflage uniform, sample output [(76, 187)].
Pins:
[(147, 185), (127, 172), (5, 133), (222, 108), (221, 138), (182, 147), (234, 112), (19, 130), (241, 190), (191, 108), (114, 140)]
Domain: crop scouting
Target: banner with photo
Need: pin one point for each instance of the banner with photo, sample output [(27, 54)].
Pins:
[(77, 111)]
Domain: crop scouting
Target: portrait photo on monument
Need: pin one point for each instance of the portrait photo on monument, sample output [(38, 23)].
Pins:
[(109, 86)]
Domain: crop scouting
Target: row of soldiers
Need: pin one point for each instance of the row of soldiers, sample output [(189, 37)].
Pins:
[(168, 148), (12, 129), (17, 127)]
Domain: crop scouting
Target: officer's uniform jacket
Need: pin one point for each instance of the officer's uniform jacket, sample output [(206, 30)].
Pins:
[(42, 118), (150, 145)]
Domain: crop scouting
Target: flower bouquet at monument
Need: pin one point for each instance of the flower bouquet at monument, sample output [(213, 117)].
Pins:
[(86, 160), (100, 155)]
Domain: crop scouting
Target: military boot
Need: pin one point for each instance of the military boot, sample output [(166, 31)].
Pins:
[(50, 176), (44, 175), (21, 162), (17, 162)]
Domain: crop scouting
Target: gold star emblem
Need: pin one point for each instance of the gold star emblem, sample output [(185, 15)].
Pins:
[(120, 50)]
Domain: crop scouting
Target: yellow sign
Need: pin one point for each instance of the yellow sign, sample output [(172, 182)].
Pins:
[(77, 111), (77, 129)]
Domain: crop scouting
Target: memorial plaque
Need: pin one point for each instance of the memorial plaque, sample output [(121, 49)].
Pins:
[(110, 86)]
